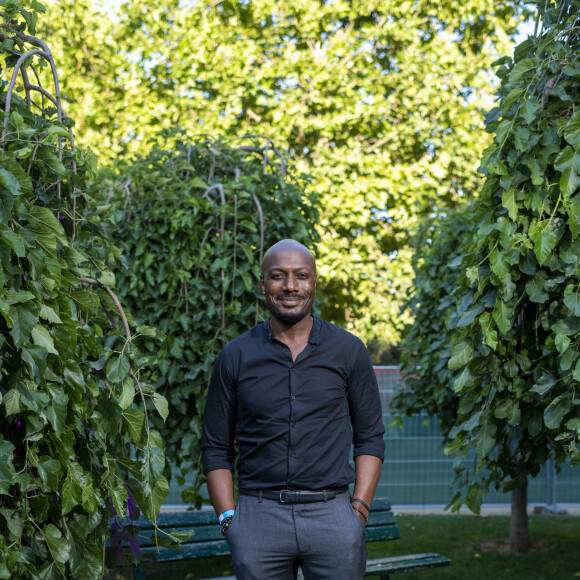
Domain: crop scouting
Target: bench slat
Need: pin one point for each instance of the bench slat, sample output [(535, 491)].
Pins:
[(182, 519), (201, 535), (407, 563), (382, 533), (189, 551)]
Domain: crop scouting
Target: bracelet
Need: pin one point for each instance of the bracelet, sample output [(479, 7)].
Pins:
[(226, 514), (366, 519), (361, 502), (226, 524)]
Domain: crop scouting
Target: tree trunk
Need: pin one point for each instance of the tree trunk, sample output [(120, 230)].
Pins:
[(519, 534)]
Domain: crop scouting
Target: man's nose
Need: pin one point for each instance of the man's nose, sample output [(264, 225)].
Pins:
[(291, 283)]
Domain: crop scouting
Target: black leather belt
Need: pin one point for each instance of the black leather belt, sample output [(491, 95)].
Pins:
[(295, 495)]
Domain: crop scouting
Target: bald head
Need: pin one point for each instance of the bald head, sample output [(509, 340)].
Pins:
[(287, 247), (288, 281)]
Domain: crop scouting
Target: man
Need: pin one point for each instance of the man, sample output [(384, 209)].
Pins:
[(295, 392)]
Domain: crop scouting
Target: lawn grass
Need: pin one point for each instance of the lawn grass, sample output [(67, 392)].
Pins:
[(477, 546)]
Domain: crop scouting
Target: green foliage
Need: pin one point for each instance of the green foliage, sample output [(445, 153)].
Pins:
[(193, 218), (379, 100), (426, 344), (68, 370), (511, 324)]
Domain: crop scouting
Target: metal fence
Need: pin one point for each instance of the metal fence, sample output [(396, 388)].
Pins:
[(416, 473)]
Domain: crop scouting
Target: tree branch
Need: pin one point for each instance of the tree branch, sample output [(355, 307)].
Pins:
[(115, 302)]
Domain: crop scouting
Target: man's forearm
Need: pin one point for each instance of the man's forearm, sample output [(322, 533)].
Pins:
[(220, 485), (368, 472)]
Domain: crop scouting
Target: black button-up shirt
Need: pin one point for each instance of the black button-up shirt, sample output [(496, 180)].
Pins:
[(295, 421)]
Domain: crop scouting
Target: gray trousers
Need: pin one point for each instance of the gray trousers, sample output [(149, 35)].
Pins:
[(269, 540)]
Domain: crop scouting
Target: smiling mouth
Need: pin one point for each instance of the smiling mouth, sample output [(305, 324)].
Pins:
[(290, 300)]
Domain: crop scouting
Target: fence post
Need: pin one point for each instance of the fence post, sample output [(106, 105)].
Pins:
[(552, 482)]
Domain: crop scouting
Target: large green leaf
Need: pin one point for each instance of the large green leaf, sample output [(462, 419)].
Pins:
[(119, 495), (6, 205), (14, 521), (567, 326), (127, 393), (71, 495), (544, 242), (58, 546), (6, 467), (24, 318), (573, 210), (134, 421), (557, 410), (568, 163), (152, 468), (498, 264), (572, 301), (8, 181), (462, 380), (56, 413), (528, 109), (503, 314), (19, 174), (88, 498), (49, 470), (485, 439), (41, 337), (12, 402), (42, 220), (157, 498), (508, 409), (535, 290), (91, 564), (117, 368), (572, 131), (51, 161), (461, 354), (544, 384), (14, 240), (161, 405), (510, 203), (522, 68)]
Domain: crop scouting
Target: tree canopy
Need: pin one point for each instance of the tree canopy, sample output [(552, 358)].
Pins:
[(379, 101)]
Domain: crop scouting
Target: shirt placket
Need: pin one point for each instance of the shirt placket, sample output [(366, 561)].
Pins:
[(291, 422)]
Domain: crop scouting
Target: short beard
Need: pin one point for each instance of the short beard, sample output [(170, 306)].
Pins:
[(288, 318)]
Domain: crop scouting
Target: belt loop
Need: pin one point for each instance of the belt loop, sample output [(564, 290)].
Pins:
[(260, 496), (324, 495)]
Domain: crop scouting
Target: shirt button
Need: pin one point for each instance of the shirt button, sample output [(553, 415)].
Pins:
[(293, 396)]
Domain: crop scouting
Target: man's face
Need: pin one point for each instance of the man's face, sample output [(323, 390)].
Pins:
[(289, 283)]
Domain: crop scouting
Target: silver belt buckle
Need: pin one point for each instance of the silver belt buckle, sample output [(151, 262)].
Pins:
[(281, 492)]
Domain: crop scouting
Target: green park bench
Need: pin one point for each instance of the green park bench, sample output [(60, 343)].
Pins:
[(208, 541)]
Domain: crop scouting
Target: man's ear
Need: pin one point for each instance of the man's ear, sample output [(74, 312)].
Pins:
[(262, 284)]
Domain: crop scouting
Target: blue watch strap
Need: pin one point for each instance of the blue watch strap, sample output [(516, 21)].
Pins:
[(226, 514)]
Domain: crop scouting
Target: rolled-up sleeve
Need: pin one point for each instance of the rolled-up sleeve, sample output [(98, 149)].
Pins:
[(365, 407), (219, 418)]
